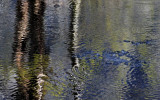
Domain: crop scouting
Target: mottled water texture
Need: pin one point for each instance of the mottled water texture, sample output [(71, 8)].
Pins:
[(79, 50)]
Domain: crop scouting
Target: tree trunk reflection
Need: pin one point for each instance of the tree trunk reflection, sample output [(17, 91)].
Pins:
[(29, 49)]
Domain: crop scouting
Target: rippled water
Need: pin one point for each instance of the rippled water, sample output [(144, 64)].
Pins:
[(79, 50)]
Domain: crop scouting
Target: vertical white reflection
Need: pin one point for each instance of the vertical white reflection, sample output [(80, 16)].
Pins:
[(75, 29), (75, 35)]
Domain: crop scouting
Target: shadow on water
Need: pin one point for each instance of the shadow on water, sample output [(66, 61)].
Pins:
[(29, 54)]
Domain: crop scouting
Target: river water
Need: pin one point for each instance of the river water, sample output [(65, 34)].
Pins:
[(79, 50)]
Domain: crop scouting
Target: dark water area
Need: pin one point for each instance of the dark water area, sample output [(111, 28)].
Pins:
[(79, 50)]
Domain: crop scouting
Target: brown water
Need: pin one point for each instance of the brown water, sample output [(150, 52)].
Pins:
[(79, 50)]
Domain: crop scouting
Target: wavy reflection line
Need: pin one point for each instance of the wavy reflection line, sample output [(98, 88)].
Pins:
[(21, 29), (20, 36), (75, 29), (37, 51), (30, 32), (75, 25)]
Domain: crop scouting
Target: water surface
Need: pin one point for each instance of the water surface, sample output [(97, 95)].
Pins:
[(79, 50)]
